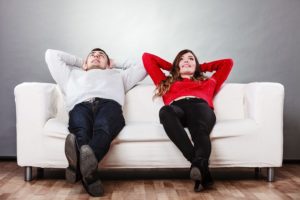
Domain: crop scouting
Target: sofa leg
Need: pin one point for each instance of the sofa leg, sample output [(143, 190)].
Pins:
[(28, 174), (270, 176)]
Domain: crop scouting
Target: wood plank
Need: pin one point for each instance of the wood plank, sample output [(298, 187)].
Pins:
[(229, 184)]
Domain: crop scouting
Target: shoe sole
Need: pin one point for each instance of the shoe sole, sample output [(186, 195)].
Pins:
[(72, 157), (71, 176), (88, 161), (94, 189), (88, 169), (195, 174)]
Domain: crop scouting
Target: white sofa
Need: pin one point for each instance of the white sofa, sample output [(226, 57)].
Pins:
[(248, 132)]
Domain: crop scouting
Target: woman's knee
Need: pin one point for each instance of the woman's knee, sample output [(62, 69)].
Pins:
[(165, 112)]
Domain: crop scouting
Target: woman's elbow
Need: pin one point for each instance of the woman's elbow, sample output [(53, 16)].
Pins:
[(146, 55), (230, 62)]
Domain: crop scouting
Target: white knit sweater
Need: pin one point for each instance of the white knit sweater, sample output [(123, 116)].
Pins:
[(78, 85)]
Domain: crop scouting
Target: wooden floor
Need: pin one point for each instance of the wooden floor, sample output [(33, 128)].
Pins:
[(234, 183)]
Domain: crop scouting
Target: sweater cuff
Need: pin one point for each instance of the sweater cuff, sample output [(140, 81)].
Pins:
[(78, 62)]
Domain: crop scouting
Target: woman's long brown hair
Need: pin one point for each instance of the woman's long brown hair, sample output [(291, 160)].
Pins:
[(164, 86)]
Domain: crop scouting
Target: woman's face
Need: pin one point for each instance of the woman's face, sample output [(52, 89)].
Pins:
[(187, 65)]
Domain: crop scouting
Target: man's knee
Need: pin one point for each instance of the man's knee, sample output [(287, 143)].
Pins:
[(109, 124), (79, 117), (113, 107)]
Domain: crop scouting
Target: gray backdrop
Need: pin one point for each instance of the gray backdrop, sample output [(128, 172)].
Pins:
[(262, 36)]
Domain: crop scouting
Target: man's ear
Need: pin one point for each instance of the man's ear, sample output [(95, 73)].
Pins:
[(111, 64)]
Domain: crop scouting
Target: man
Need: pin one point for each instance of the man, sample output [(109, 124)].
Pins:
[(94, 92)]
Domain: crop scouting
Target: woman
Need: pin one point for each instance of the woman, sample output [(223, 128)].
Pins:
[(188, 97)]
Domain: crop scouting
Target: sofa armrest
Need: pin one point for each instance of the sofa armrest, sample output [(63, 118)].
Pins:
[(35, 104), (264, 104)]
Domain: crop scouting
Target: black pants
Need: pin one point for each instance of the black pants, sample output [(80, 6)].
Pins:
[(96, 123), (198, 117)]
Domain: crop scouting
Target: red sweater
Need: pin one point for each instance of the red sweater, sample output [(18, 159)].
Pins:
[(206, 89)]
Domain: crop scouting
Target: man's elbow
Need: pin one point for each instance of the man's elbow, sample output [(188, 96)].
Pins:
[(48, 55)]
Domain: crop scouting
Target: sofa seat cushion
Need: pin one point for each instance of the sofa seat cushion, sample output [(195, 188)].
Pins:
[(55, 127), (141, 132), (234, 128), (134, 131), (152, 131)]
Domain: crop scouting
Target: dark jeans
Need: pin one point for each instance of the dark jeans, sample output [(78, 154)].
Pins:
[(96, 123), (198, 117)]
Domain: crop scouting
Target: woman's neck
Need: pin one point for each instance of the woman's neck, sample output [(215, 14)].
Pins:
[(186, 76)]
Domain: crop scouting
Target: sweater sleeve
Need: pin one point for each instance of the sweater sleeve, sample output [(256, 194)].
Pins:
[(153, 65), (222, 69), (133, 71), (60, 65)]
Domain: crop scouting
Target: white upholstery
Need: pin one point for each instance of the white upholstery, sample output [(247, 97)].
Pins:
[(248, 132)]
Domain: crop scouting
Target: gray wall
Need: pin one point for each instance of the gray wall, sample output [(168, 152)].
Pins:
[(262, 36)]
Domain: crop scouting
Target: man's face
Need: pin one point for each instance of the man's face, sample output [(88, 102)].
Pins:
[(97, 60)]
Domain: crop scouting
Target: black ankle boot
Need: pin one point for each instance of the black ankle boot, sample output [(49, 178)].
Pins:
[(200, 172), (198, 187), (207, 179), (72, 153), (88, 168)]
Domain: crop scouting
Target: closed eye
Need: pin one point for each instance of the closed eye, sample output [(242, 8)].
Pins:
[(191, 57), (95, 53)]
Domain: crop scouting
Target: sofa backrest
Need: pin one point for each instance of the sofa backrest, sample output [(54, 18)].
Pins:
[(62, 113), (140, 106), (230, 102)]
